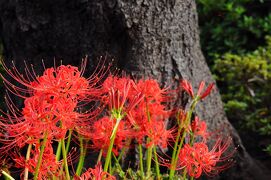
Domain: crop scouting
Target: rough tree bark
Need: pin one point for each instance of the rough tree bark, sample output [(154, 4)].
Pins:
[(146, 38)]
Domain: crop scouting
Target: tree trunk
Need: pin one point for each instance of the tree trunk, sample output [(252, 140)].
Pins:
[(146, 38)]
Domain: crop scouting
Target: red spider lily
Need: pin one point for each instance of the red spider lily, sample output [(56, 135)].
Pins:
[(154, 102), (119, 96), (49, 166), (121, 84), (199, 128), (64, 80), (158, 134), (40, 115), (189, 89), (207, 90), (95, 174), (156, 131), (198, 158), (55, 97), (150, 122), (151, 90), (102, 131), (155, 99), (138, 108), (182, 122), (181, 116), (19, 130), (149, 116)]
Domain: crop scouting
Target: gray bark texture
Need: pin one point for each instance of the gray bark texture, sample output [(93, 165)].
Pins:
[(147, 38)]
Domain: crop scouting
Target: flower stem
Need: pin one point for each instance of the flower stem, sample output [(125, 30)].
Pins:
[(117, 166), (112, 139), (40, 155), (184, 174), (149, 149), (7, 175), (186, 123), (176, 142), (26, 170), (156, 164), (121, 153), (141, 161), (58, 151), (69, 140), (81, 158), (149, 158), (110, 167), (64, 152), (100, 156)]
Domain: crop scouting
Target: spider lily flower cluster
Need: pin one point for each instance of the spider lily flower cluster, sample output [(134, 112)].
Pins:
[(107, 114)]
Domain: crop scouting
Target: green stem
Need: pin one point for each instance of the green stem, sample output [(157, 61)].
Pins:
[(40, 155), (184, 174), (115, 128), (109, 151), (192, 138), (175, 155), (110, 167), (149, 149), (100, 156), (81, 158), (141, 161), (64, 153), (121, 153), (26, 160), (174, 161), (58, 151), (176, 143), (117, 159), (59, 148), (118, 166), (7, 175), (69, 140), (156, 164), (149, 158)]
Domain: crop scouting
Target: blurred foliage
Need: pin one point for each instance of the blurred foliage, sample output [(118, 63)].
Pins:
[(235, 41), (268, 149), (246, 82), (233, 25)]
